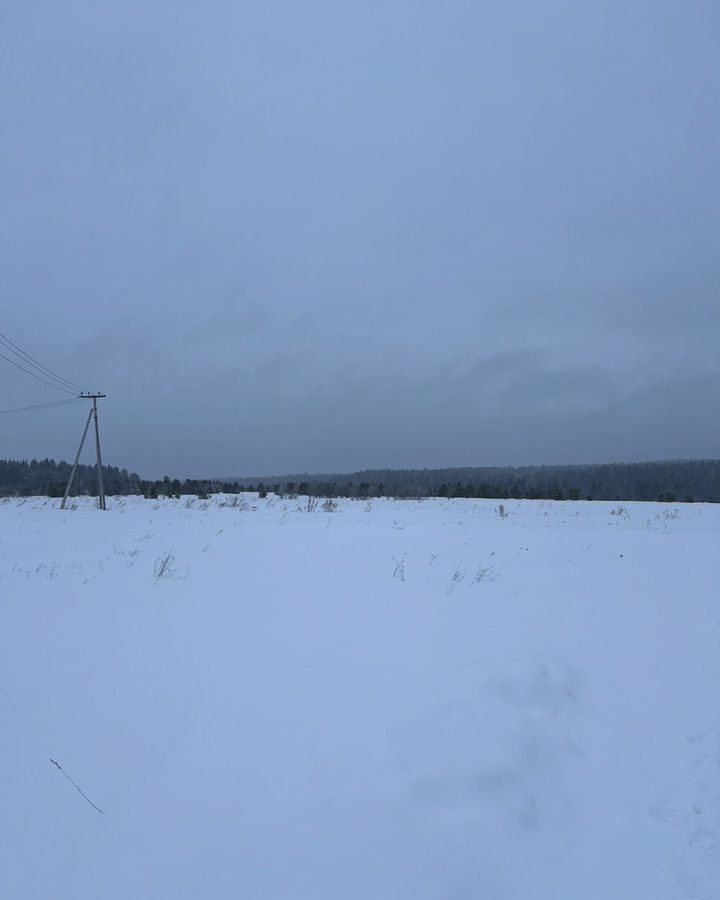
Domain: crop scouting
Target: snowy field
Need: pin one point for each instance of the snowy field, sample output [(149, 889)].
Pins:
[(390, 701)]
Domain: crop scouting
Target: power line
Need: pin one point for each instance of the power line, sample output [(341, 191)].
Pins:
[(36, 364), (29, 372), (52, 379), (51, 404), (28, 360)]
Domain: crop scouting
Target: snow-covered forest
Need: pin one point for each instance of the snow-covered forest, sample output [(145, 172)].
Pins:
[(670, 481)]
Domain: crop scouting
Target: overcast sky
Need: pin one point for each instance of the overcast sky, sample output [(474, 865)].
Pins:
[(323, 236)]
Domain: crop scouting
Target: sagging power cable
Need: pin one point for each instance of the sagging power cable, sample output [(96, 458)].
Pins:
[(27, 363), (50, 405)]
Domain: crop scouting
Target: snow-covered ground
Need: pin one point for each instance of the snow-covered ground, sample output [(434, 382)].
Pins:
[(391, 701)]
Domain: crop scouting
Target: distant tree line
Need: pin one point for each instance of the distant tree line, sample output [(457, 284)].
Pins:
[(201, 487), (47, 478), (671, 482)]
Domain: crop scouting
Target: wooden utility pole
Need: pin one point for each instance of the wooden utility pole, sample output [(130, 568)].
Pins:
[(98, 459), (75, 464)]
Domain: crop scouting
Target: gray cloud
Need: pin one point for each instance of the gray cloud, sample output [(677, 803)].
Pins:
[(334, 236)]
